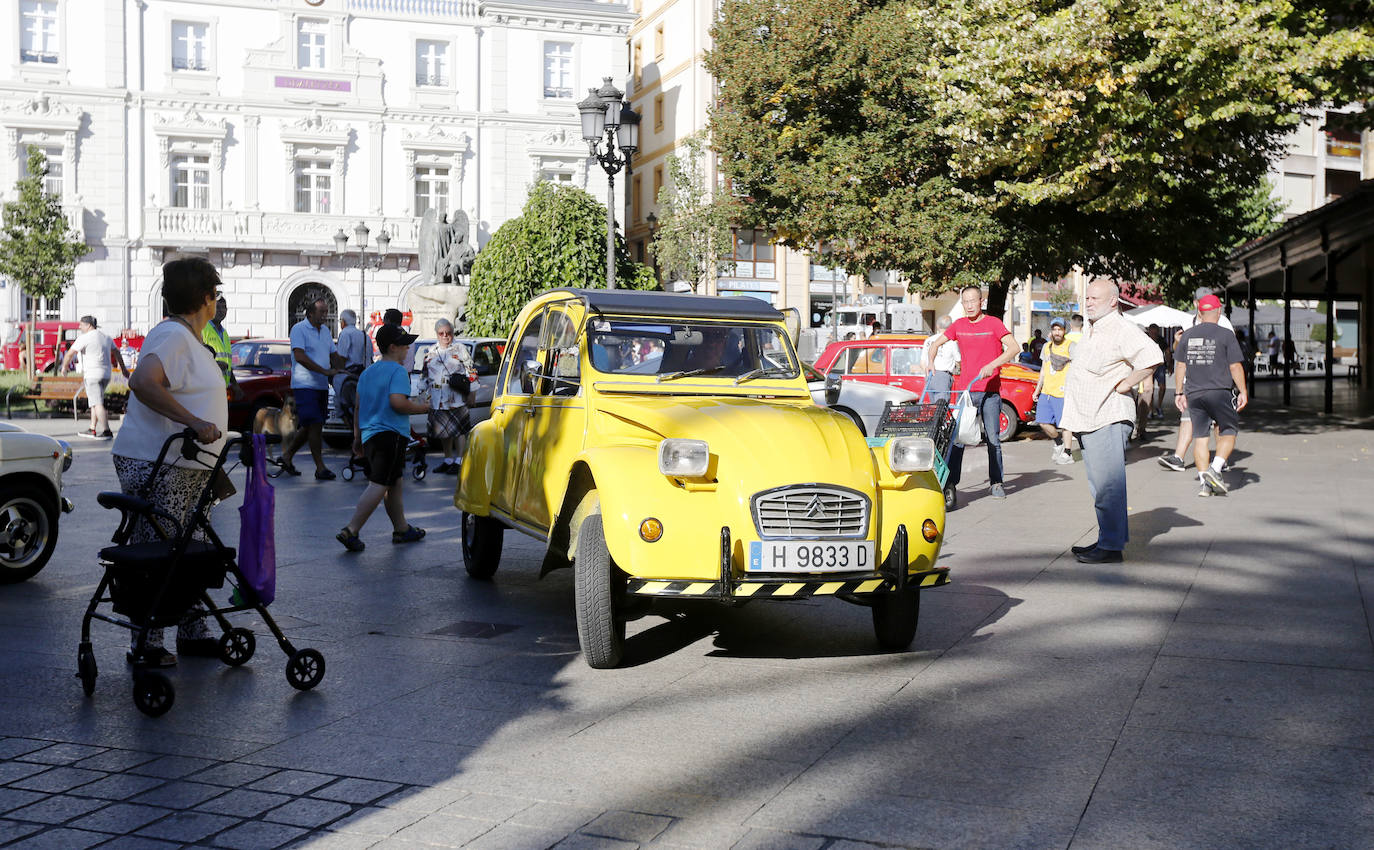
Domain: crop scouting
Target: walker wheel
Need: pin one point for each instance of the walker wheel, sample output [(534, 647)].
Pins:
[(153, 694), (347, 473), (86, 667), (305, 669), (420, 472), (236, 647)]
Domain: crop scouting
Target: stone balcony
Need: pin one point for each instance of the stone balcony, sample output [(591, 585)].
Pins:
[(181, 228)]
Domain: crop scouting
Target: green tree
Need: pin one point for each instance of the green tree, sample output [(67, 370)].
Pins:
[(1318, 333), (985, 140), (558, 240), (694, 222), (38, 247)]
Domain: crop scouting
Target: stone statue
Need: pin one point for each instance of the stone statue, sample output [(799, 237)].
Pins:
[(429, 246), (460, 254)]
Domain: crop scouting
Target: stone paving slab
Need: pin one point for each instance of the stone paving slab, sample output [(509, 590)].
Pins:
[(1212, 691)]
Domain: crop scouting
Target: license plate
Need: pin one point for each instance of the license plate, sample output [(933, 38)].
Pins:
[(810, 556)]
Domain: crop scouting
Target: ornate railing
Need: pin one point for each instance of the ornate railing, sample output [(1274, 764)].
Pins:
[(416, 8), (213, 228)]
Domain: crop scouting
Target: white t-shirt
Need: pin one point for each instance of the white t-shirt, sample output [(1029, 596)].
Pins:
[(195, 381), (947, 357), (94, 348)]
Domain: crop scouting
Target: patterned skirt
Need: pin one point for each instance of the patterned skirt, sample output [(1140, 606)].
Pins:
[(444, 424), (175, 490)]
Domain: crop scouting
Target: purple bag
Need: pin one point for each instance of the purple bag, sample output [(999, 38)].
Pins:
[(257, 537)]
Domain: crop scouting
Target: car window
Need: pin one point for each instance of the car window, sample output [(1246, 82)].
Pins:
[(713, 349), (487, 358), (906, 361), (559, 354), (276, 357), (527, 349), (866, 361)]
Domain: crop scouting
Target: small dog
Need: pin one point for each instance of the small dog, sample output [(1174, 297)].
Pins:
[(277, 420)]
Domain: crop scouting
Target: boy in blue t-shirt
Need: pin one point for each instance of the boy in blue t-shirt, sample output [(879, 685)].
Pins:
[(382, 430)]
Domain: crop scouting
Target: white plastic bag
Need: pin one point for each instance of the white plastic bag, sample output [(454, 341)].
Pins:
[(968, 429)]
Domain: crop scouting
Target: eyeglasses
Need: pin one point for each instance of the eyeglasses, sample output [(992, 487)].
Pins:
[(444, 333)]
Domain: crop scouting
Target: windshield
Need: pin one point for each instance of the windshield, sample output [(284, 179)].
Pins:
[(268, 355), (682, 349)]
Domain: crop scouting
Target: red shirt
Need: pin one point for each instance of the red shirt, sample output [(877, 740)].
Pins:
[(980, 343)]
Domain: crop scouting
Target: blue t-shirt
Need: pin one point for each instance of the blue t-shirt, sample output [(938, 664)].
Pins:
[(375, 413)]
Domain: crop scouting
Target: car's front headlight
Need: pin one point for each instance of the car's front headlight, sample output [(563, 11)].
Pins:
[(911, 454), (66, 454), (683, 458)]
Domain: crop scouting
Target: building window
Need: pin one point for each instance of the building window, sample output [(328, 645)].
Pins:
[(658, 181), (191, 181), (190, 46), (38, 31), (313, 179), (658, 113), (558, 69), (431, 63), (636, 187), (431, 188), (311, 35), (43, 309), (752, 255), (551, 176), (658, 43), (52, 184), (638, 65)]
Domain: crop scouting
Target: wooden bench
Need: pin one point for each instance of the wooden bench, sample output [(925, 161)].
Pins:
[(63, 388)]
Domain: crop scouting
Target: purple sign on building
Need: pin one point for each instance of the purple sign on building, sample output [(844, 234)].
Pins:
[(314, 85)]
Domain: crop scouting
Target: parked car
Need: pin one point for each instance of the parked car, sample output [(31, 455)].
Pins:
[(31, 500), (50, 343), (669, 446), (486, 356), (895, 360), (862, 403), (262, 368)]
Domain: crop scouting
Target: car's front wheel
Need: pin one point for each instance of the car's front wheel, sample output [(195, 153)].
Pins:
[(28, 532), (894, 618), (482, 538), (1007, 423), (598, 585)]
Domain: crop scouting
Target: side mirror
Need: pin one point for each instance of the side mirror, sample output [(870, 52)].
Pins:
[(529, 375), (832, 387)]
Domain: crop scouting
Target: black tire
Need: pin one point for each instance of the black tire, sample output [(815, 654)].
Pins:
[(1008, 422), (86, 669), (153, 694), (305, 669), (854, 417), (28, 532), (597, 587), (236, 646), (482, 538), (894, 618)]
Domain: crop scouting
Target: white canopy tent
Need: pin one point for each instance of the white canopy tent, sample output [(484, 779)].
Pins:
[(1159, 314)]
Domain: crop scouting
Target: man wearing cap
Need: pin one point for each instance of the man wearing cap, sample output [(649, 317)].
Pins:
[(1099, 406), (1048, 396), (1207, 366), (1178, 460), (381, 432)]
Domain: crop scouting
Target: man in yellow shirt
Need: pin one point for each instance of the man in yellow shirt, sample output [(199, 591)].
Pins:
[(1048, 396), (216, 336)]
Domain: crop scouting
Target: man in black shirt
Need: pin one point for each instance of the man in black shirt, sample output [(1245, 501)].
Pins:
[(1207, 368)]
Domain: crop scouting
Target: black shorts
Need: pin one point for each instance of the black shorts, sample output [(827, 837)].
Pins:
[(1208, 406), (385, 454)]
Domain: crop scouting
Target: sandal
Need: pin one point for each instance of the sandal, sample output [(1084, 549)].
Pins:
[(352, 542), (410, 535), (288, 468)]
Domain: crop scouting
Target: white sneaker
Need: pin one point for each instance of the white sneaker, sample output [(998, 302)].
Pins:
[(1063, 457), (1212, 479)]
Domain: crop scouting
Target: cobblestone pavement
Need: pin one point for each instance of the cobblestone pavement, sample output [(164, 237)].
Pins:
[(1215, 690)]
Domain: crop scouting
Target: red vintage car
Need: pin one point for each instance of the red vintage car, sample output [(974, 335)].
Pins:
[(50, 342), (262, 368), (895, 360)]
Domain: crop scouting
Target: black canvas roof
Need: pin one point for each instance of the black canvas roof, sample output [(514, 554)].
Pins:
[(631, 302)]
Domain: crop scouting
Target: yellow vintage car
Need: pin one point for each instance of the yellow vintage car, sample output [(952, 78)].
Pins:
[(666, 446)]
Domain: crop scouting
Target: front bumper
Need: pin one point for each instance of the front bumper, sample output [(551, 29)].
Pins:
[(889, 579)]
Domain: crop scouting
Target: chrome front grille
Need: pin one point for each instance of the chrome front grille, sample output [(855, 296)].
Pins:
[(810, 511)]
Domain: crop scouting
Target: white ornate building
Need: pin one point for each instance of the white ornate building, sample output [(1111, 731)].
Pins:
[(251, 131)]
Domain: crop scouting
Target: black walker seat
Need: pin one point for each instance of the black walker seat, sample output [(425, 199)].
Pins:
[(152, 584)]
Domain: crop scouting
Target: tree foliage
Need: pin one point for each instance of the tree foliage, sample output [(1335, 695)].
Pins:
[(694, 221), (984, 140), (38, 247), (558, 240)]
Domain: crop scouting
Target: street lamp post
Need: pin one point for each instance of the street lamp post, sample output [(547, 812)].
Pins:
[(611, 130), (341, 248)]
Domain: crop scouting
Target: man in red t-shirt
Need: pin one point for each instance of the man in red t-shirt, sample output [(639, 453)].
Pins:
[(985, 346)]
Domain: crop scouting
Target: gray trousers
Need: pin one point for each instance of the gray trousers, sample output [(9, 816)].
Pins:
[(1104, 459)]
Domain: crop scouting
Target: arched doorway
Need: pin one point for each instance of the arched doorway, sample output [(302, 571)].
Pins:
[(302, 296)]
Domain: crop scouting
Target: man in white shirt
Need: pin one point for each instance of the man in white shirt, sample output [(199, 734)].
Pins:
[(316, 361), (97, 351)]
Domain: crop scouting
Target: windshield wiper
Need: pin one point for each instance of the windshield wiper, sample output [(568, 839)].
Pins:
[(687, 373), (760, 372)]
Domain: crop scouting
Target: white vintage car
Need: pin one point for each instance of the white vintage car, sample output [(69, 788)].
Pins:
[(31, 500)]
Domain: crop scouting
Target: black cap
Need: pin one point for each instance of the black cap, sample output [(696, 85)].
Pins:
[(389, 335)]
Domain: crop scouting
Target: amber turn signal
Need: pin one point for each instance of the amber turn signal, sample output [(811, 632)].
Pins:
[(930, 531), (651, 530)]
